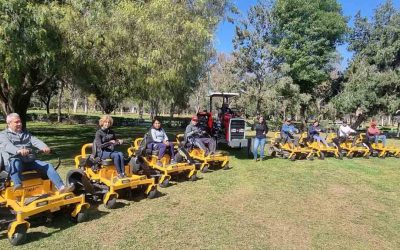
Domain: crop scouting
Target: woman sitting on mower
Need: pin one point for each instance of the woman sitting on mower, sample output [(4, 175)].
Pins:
[(375, 133), (314, 131), (288, 132), (105, 142), (160, 142)]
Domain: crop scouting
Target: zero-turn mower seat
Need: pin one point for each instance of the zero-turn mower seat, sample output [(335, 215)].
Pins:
[(152, 152), (33, 174)]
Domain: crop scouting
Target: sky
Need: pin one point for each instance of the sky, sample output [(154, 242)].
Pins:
[(225, 31)]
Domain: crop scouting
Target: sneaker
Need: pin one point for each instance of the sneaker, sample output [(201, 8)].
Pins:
[(121, 176), (173, 162), (159, 163), (66, 189), (17, 187)]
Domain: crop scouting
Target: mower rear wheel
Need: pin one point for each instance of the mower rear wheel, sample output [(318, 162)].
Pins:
[(321, 156)]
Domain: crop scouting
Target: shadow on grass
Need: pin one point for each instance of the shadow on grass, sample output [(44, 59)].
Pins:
[(58, 221)]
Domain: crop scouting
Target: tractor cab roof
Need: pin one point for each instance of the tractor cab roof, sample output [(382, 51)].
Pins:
[(223, 94)]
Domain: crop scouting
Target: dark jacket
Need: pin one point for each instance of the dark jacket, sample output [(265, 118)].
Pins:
[(261, 130), (102, 140), (314, 130)]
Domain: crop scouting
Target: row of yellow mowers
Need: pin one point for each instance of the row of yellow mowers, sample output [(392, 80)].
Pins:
[(96, 180), (352, 146)]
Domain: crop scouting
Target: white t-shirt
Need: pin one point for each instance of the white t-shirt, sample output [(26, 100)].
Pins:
[(345, 130)]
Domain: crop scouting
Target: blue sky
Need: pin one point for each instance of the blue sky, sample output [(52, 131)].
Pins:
[(223, 41)]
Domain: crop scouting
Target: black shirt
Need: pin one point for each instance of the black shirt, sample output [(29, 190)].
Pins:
[(261, 128)]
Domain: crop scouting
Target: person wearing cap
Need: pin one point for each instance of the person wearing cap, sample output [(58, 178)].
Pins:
[(288, 132), (197, 136), (261, 129), (376, 134), (314, 131), (15, 147)]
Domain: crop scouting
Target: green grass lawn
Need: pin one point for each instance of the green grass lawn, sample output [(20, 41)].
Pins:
[(275, 204)]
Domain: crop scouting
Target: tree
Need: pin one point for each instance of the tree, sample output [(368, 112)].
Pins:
[(47, 92), (372, 81), (304, 36), (30, 49), (252, 56)]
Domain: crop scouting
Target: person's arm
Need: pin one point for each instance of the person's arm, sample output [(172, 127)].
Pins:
[(7, 145), (189, 131), (165, 135), (37, 143), (266, 129)]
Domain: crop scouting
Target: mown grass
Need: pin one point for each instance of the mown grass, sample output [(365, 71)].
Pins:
[(275, 204)]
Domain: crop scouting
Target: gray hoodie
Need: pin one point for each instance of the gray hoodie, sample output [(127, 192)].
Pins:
[(11, 142)]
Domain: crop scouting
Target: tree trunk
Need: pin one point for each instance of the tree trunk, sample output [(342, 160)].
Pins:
[(141, 110), (171, 110), (303, 109), (48, 106), (59, 102), (86, 104), (75, 105), (360, 119)]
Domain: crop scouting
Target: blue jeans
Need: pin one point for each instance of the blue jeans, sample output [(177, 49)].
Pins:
[(380, 138), (162, 149), (118, 159), (259, 142), (16, 167), (320, 139)]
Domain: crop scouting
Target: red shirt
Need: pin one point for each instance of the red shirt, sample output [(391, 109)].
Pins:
[(373, 131)]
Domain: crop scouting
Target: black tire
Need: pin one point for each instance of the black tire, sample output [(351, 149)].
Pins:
[(81, 216), (165, 183), (226, 167), (178, 158), (152, 194), (205, 169), (321, 156), (111, 203), (19, 236), (350, 156), (193, 178), (80, 181), (366, 157), (293, 157), (340, 156)]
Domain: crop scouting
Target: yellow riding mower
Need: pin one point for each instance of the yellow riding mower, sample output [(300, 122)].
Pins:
[(349, 146), (98, 179), (320, 149), (286, 149), (202, 161), (378, 149), (38, 197), (148, 157)]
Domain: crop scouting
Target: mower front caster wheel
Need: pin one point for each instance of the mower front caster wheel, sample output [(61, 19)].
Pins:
[(19, 236), (111, 203), (164, 183)]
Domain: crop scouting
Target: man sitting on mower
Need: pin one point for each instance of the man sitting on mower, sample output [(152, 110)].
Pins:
[(314, 131), (160, 142), (196, 136), (16, 146), (344, 132), (105, 142), (288, 132), (374, 133)]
